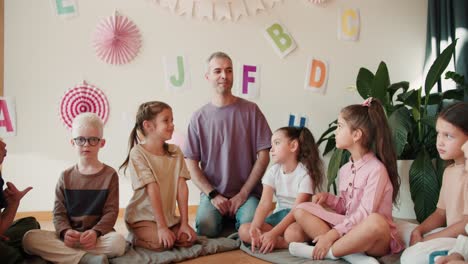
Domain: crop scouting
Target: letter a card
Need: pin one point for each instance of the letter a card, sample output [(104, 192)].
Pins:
[(7, 117)]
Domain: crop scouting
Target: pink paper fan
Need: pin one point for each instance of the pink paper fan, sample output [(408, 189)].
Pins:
[(117, 40), (83, 98)]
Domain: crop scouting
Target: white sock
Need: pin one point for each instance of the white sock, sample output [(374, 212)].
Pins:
[(305, 251), (360, 258)]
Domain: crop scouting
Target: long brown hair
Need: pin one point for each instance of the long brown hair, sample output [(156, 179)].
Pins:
[(308, 153), (146, 112), (370, 118)]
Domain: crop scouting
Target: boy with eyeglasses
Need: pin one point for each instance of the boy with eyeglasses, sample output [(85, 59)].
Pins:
[(86, 205)]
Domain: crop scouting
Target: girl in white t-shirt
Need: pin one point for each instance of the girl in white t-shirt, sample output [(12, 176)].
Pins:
[(297, 171)]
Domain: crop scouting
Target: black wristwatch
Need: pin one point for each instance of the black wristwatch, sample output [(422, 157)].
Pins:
[(213, 194)]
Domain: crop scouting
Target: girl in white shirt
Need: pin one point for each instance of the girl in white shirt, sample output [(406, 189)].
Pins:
[(297, 172)]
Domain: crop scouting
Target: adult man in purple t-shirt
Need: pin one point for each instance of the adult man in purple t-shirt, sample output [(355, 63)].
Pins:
[(226, 152)]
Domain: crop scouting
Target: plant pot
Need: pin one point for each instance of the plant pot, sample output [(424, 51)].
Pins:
[(405, 205)]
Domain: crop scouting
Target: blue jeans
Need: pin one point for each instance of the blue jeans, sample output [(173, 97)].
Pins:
[(209, 221)]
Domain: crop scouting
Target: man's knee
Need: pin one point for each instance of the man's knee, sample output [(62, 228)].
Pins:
[(208, 229), (208, 225), (246, 212)]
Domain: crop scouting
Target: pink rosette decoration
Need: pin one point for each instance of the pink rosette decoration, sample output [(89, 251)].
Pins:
[(117, 40), (83, 98)]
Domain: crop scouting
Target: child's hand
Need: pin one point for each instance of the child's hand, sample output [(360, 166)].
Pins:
[(322, 246), (416, 237), (71, 238), (320, 198), (451, 257), (255, 239), (13, 195), (88, 239), (166, 237), (268, 242), (188, 230)]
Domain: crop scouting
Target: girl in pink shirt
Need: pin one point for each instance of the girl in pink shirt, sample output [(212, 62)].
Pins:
[(359, 219)]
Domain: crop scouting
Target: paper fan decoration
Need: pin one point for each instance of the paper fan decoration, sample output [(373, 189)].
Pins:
[(217, 9), (117, 39), (83, 98)]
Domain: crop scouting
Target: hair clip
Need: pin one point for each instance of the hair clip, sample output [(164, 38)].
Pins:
[(367, 102)]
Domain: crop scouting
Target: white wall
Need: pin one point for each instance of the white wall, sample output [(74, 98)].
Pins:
[(45, 55)]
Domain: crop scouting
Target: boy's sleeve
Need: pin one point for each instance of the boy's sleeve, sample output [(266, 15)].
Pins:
[(61, 221), (110, 210)]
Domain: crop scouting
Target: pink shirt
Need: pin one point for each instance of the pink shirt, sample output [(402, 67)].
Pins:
[(364, 188)]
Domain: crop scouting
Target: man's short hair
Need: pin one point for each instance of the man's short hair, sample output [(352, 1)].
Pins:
[(88, 120), (218, 55)]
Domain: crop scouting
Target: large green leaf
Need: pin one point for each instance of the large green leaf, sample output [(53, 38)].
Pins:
[(393, 88), (333, 167), (424, 186), (380, 84), (457, 78), (364, 82), (438, 67), (330, 145), (430, 121), (400, 122), (434, 99), (456, 94), (326, 135), (409, 98)]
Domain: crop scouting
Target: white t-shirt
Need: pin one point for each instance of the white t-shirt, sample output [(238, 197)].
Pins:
[(288, 186)]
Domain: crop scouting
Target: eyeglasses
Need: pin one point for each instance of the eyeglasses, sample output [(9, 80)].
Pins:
[(81, 141)]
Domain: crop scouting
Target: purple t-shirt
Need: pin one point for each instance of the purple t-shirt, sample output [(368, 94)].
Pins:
[(226, 140)]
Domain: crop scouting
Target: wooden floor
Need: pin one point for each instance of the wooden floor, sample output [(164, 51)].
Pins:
[(235, 256)]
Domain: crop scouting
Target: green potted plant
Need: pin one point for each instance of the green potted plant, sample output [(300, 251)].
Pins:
[(412, 119)]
